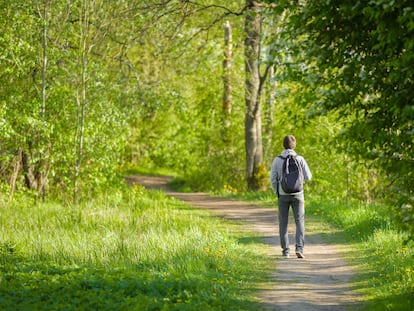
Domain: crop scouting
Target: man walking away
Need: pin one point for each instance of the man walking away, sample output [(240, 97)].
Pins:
[(287, 174)]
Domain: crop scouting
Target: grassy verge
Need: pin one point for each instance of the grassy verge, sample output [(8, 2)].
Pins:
[(384, 261), (129, 250)]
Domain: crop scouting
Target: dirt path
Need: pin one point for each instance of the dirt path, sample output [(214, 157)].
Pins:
[(321, 281)]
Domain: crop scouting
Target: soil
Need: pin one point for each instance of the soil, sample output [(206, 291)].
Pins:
[(320, 281)]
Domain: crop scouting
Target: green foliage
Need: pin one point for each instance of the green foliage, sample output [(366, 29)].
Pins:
[(336, 173), (154, 94), (130, 249), (185, 132), (261, 176), (48, 139), (358, 60)]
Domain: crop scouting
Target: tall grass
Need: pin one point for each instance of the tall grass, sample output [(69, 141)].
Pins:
[(129, 250)]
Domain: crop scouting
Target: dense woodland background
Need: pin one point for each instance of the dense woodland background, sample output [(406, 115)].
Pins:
[(207, 89)]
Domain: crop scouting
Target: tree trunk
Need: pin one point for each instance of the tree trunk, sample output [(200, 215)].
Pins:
[(44, 60), (255, 169), (44, 164), (16, 168), (81, 99), (268, 114), (227, 94), (29, 171)]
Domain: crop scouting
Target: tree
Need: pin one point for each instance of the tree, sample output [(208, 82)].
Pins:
[(227, 86), (40, 48), (253, 122), (256, 79), (24, 93), (359, 58)]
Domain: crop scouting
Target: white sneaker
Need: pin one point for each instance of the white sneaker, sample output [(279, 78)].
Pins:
[(300, 254)]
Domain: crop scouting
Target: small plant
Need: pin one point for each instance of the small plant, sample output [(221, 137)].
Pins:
[(229, 189), (262, 177)]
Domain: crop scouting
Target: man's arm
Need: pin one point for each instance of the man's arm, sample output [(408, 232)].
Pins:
[(307, 175), (273, 176)]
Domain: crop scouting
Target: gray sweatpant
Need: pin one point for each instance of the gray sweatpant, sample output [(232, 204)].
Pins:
[(297, 201)]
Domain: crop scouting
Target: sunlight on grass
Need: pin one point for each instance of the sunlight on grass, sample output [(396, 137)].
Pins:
[(385, 262), (131, 250)]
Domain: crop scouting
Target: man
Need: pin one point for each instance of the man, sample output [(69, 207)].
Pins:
[(296, 199)]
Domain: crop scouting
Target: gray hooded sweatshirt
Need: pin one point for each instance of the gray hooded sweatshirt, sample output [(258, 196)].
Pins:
[(277, 168)]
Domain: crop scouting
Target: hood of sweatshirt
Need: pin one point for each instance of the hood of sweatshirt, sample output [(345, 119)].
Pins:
[(287, 152)]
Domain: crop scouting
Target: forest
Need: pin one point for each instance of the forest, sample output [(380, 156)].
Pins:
[(205, 90), (90, 87)]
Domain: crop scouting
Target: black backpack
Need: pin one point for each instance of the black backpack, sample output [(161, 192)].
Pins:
[(292, 175)]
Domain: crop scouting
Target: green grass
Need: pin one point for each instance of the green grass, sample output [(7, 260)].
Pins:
[(384, 259), (132, 249), (135, 249), (149, 170)]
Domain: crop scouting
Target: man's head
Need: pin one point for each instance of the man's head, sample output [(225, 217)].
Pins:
[(289, 142)]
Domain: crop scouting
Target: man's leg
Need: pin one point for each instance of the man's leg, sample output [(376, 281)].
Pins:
[(298, 206), (284, 203)]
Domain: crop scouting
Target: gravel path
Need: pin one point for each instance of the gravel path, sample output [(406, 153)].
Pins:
[(321, 281)]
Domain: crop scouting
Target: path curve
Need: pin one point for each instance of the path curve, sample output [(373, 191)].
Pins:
[(321, 281)]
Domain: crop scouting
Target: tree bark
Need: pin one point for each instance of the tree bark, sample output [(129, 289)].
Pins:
[(253, 122), (16, 168), (268, 114), (44, 59), (29, 171), (44, 165)]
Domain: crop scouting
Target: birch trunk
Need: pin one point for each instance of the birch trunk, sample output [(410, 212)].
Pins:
[(227, 63), (81, 99)]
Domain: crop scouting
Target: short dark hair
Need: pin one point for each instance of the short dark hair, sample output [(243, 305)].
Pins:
[(289, 142)]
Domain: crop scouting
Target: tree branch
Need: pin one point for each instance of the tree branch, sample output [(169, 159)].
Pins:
[(227, 10)]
